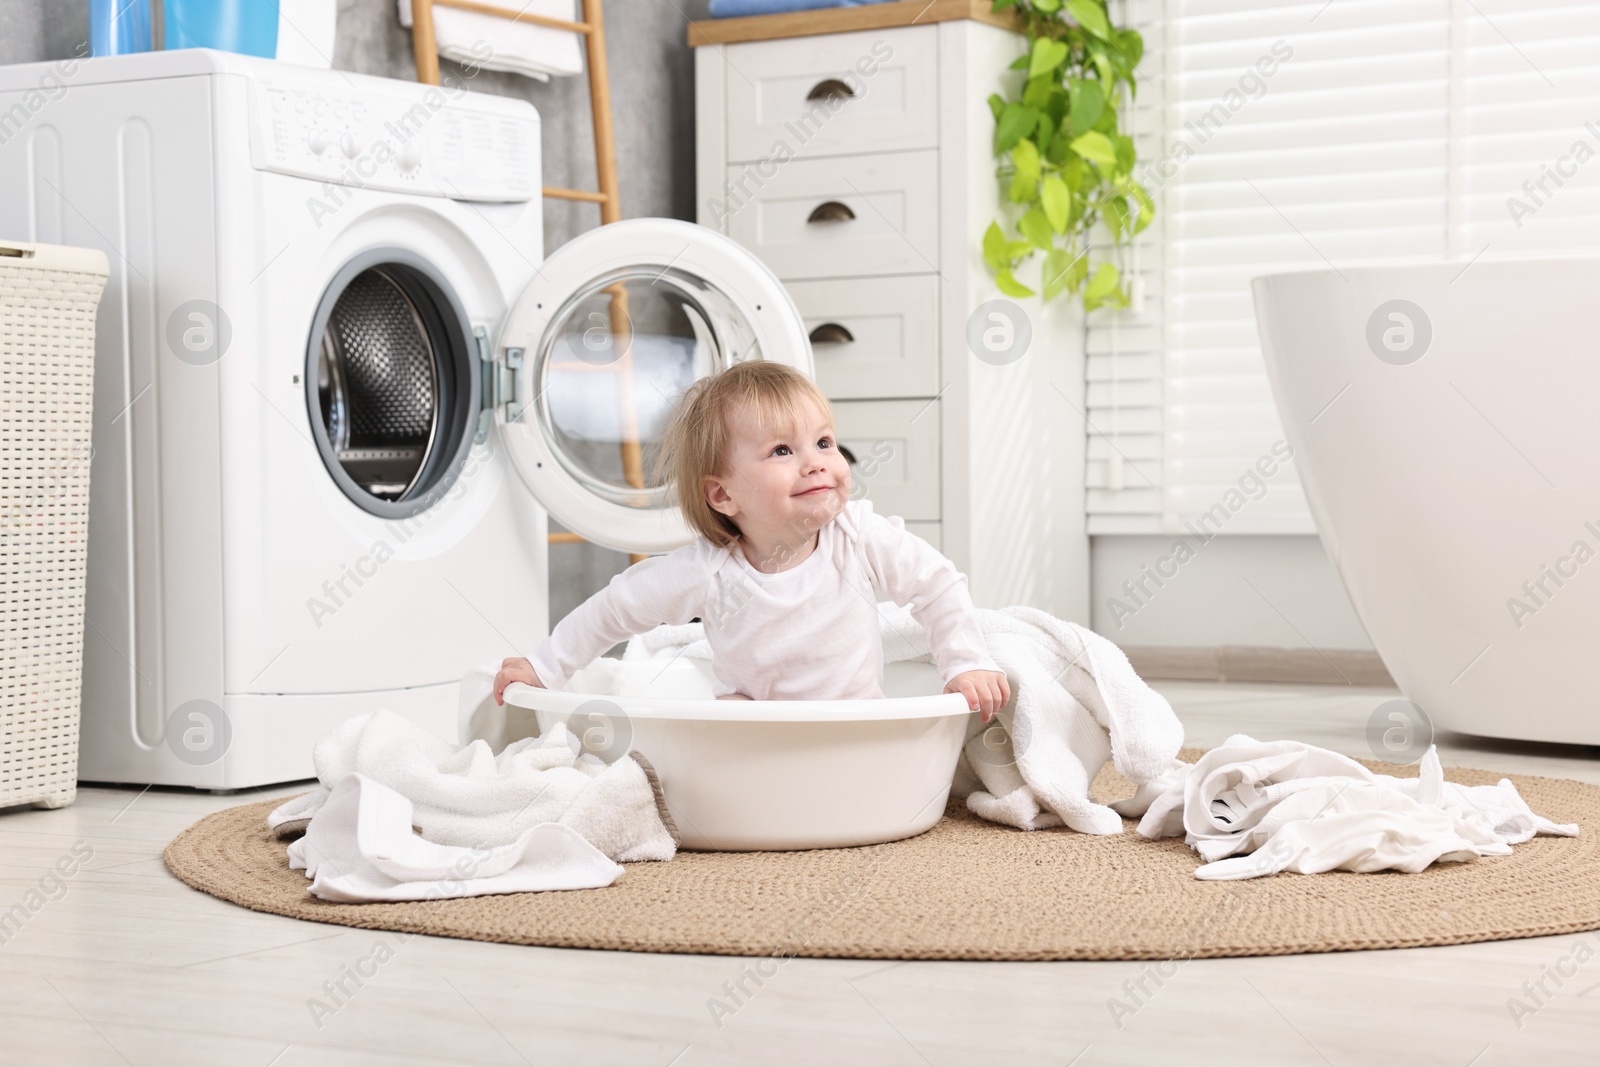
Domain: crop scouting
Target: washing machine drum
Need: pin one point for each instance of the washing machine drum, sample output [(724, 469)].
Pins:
[(390, 384), (588, 363)]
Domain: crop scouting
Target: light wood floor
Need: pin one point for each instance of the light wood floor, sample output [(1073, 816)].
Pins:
[(130, 966)]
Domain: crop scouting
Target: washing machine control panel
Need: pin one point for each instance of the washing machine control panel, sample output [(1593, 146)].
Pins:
[(425, 142)]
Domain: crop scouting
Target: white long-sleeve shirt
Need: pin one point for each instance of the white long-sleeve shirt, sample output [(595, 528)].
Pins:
[(807, 633)]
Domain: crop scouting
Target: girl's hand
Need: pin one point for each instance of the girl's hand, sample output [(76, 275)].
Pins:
[(986, 691), (514, 669)]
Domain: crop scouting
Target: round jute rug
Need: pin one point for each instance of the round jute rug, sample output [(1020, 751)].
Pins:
[(971, 890)]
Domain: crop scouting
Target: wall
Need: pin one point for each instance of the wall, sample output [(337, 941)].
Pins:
[(652, 99), (1277, 591)]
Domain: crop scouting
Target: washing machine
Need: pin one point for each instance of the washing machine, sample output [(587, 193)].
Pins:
[(339, 392)]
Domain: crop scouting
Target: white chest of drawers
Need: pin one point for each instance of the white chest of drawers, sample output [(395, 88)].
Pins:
[(857, 164)]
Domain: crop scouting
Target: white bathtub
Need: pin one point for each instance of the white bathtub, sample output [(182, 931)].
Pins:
[(741, 775), (1454, 481)]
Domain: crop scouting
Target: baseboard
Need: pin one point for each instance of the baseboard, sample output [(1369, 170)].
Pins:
[(1305, 666)]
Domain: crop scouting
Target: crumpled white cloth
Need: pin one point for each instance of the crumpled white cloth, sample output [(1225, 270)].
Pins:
[(1252, 808), (361, 847), (473, 38), (469, 797), (1077, 703)]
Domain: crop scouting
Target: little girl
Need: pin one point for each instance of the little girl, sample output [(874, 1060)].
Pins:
[(785, 569)]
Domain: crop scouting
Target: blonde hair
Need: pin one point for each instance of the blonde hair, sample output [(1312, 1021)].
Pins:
[(698, 438)]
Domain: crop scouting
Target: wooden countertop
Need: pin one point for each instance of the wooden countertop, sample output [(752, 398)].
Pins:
[(845, 19)]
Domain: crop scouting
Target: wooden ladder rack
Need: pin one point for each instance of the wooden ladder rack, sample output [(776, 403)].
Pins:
[(592, 29)]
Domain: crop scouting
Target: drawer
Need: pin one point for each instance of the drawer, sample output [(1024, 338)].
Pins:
[(875, 91), (873, 337), (896, 445), (928, 531), (825, 218)]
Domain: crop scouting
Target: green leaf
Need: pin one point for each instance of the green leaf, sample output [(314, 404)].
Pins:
[(1035, 226), (1060, 147), (1090, 15), (1045, 130), (1147, 207), (1057, 272), (1126, 153), (1131, 45), (1119, 62), (1021, 62), (1095, 146), (1087, 100), (1025, 178), (1001, 5), (1047, 7), (1037, 92), (998, 252), (1107, 122), (1056, 199), (1056, 106), (1015, 123), (1047, 56), (1021, 190), (1025, 156), (1116, 216), (1101, 286), (1108, 76), (996, 105), (994, 246), (1009, 285), (1075, 174)]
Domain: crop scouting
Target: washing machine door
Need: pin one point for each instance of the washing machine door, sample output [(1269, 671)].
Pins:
[(596, 352)]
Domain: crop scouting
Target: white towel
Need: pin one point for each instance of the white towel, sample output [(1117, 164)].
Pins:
[(469, 797), (1252, 808), (1078, 703), (361, 847), (474, 39)]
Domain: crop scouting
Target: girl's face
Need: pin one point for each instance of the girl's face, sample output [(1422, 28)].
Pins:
[(781, 484)]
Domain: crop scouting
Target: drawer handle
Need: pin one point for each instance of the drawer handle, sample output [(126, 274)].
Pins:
[(831, 211), (831, 333), (830, 89)]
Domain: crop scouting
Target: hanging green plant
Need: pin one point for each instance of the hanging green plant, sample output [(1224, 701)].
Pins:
[(1064, 163)]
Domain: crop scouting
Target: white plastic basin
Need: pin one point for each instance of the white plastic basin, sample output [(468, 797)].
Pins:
[(742, 775)]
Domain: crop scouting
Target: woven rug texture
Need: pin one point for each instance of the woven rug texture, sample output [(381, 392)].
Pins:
[(971, 890)]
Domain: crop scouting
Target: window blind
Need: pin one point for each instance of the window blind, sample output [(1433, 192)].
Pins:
[(1303, 136)]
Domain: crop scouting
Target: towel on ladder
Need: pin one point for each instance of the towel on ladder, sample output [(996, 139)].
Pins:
[(474, 39)]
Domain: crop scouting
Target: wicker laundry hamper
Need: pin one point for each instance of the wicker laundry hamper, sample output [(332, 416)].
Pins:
[(48, 298)]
